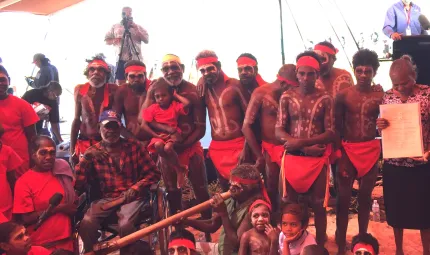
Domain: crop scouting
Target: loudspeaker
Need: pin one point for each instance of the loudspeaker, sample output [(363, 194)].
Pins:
[(418, 47)]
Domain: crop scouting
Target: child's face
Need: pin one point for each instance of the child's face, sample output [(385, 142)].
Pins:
[(162, 97), (260, 216), (290, 225)]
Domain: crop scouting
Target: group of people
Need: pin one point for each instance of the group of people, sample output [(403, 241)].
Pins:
[(292, 131)]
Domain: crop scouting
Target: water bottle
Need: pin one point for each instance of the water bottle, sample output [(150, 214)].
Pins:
[(375, 210)]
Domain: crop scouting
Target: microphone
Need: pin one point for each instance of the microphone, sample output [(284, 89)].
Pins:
[(54, 201), (424, 22)]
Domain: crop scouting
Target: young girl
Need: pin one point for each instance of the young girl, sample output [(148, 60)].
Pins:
[(294, 236), (166, 111), (262, 238)]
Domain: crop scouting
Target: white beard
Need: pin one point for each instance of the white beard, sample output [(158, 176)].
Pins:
[(97, 85), (171, 83)]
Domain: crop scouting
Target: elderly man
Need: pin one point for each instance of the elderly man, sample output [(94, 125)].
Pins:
[(131, 49), (18, 119), (226, 101), (193, 127), (91, 99), (263, 110), (128, 99), (306, 127), (123, 168)]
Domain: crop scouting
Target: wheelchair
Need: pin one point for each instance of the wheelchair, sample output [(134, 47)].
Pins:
[(155, 209)]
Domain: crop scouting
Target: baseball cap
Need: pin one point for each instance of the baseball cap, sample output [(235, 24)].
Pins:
[(38, 56), (108, 116)]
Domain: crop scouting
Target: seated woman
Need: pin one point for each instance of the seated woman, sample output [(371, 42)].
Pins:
[(14, 240), (34, 189)]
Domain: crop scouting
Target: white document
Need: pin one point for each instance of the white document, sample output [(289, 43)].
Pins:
[(403, 137)]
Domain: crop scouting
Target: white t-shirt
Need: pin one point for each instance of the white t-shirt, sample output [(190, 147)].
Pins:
[(297, 246)]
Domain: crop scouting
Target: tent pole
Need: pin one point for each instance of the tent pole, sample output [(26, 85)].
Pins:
[(282, 33)]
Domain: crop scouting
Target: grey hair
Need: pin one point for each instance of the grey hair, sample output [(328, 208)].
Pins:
[(206, 54)]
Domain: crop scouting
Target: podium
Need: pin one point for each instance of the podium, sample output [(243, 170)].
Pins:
[(418, 47)]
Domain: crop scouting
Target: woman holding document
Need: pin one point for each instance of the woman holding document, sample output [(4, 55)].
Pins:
[(406, 180)]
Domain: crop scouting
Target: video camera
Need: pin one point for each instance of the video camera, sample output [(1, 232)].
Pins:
[(126, 21)]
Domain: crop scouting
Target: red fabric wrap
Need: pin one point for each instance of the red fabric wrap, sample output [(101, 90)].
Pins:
[(275, 151), (225, 155), (364, 247), (205, 61), (135, 69), (84, 90), (185, 156), (97, 63), (335, 155), (291, 82), (260, 80), (308, 61), (182, 242), (302, 171), (246, 61), (363, 155), (326, 49), (260, 202)]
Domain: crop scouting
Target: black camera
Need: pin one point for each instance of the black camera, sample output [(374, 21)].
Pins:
[(126, 20)]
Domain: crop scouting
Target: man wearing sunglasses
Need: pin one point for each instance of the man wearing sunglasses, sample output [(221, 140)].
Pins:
[(47, 96), (91, 99), (226, 100), (193, 127), (129, 99)]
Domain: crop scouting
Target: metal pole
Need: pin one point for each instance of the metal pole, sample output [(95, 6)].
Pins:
[(282, 33)]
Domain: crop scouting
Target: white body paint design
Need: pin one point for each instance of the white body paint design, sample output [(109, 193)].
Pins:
[(281, 111), (314, 109), (363, 108)]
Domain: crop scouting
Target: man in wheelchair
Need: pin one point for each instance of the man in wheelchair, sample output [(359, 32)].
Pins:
[(124, 171)]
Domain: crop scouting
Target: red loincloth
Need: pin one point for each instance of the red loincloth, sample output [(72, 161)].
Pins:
[(82, 145), (335, 155), (225, 154), (185, 156), (302, 171), (363, 155), (275, 151)]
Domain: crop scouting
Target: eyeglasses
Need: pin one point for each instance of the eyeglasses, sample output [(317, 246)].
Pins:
[(133, 76), (3, 79), (172, 68)]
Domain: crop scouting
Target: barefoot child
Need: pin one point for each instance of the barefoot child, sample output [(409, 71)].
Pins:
[(166, 111), (262, 238), (294, 236)]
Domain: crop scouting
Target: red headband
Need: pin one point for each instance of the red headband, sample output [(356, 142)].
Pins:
[(205, 61), (135, 69), (246, 61), (249, 181), (294, 83), (308, 61), (182, 242), (97, 62), (364, 246), (326, 49), (260, 202)]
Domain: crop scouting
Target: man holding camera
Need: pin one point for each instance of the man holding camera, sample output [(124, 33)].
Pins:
[(127, 48)]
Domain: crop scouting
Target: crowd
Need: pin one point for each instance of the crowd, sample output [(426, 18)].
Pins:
[(273, 145)]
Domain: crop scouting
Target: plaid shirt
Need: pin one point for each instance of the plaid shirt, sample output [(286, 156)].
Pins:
[(136, 170)]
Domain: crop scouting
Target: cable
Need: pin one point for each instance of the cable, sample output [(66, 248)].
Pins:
[(282, 33), (346, 23), (297, 26)]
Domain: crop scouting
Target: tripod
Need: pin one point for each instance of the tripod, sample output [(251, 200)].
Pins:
[(126, 37)]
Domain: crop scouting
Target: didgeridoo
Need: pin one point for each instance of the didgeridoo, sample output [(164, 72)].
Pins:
[(110, 246)]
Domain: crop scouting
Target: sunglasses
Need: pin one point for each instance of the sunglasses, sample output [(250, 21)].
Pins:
[(3, 79), (173, 68), (133, 76)]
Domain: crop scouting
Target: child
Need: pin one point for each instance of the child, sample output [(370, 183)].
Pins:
[(364, 244), (262, 238), (9, 161), (166, 111), (294, 236)]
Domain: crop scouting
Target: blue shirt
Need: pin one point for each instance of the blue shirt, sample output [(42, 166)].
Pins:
[(396, 20)]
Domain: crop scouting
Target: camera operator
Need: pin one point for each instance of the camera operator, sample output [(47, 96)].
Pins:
[(131, 49)]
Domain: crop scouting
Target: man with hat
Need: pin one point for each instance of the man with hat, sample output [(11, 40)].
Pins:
[(263, 110), (193, 127), (130, 97), (124, 170), (306, 127), (46, 73), (91, 99)]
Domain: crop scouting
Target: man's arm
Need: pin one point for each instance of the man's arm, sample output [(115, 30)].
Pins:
[(199, 113), (232, 234), (54, 119), (143, 34), (390, 22), (44, 78), (148, 172), (282, 122), (207, 226), (118, 107), (110, 37), (244, 244), (56, 130), (76, 124), (250, 117), (339, 106), (81, 170)]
